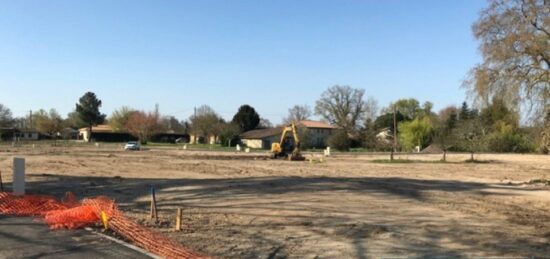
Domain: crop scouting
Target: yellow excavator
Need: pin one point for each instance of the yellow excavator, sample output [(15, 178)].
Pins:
[(288, 147)]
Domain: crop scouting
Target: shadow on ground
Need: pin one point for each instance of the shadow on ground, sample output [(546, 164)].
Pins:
[(207, 193)]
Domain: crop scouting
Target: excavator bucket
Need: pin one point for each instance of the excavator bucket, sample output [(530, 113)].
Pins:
[(296, 155), (296, 158)]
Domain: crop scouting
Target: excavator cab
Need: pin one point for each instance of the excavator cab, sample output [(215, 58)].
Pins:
[(289, 145)]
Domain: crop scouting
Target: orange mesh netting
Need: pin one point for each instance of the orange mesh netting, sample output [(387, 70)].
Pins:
[(71, 214), (29, 205)]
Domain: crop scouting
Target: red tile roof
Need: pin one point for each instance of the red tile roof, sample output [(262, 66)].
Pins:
[(315, 124), (261, 133), (100, 128)]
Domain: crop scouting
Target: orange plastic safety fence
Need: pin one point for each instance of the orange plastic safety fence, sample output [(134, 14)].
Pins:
[(29, 205), (72, 218), (71, 214)]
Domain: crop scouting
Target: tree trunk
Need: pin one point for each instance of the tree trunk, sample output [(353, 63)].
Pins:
[(472, 156), (444, 156), (90, 135), (391, 155)]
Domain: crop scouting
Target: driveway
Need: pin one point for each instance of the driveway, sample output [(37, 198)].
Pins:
[(25, 238)]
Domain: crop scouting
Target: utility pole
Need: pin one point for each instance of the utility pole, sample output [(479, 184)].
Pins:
[(195, 140), (30, 120), (157, 109), (394, 148)]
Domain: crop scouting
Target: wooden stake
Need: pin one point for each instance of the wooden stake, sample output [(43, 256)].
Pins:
[(1, 184), (153, 204), (178, 219)]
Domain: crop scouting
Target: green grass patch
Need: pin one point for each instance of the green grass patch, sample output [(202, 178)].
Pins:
[(540, 181), (395, 161), (475, 161)]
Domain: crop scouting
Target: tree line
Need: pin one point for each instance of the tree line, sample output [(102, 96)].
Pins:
[(361, 124), (139, 123), (495, 127)]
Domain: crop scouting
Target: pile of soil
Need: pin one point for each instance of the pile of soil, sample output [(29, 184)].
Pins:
[(432, 149)]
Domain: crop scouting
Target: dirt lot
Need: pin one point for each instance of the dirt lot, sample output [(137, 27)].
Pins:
[(243, 206)]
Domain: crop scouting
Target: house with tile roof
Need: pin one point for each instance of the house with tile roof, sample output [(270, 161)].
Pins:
[(312, 134), (104, 133)]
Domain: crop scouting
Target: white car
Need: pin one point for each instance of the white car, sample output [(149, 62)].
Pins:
[(132, 145)]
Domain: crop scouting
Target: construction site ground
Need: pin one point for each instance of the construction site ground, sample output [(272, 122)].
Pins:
[(238, 205)]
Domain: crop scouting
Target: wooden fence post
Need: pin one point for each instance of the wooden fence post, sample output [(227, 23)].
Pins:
[(178, 219), (1, 183), (153, 204)]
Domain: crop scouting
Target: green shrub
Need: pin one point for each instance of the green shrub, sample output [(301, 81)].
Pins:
[(509, 142), (340, 141), (508, 139)]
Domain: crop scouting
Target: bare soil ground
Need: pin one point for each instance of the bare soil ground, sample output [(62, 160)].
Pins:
[(245, 206)]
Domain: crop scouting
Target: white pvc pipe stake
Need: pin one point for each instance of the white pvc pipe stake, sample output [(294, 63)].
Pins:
[(18, 176)]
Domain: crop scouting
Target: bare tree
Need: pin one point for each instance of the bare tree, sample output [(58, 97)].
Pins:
[(171, 123), (343, 106), (514, 37), (48, 122), (372, 108), (444, 136), (265, 124), (120, 117), (143, 125), (471, 136), (229, 135), (449, 113), (298, 113), (206, 122), (6, 118)]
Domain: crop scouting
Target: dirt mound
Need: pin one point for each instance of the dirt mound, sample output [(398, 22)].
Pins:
[(432, 149)]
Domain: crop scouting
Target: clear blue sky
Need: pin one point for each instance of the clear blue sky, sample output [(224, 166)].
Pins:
[(269, 54)]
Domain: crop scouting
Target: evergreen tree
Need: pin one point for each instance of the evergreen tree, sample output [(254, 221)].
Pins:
[(246, 118), (88, 110)]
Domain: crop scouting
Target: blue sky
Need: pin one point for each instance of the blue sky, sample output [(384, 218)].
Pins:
[(269, 54)]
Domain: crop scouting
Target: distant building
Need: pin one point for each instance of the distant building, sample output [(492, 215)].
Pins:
[(7, 134), (312, 134), (31, 135), (69, 133), (104, 133), (171, 137), (261, 138), (316, 133), (200, 139), (385, 136), (10, 134)]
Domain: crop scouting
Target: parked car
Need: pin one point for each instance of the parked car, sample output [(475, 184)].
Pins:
[(132, 145)]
